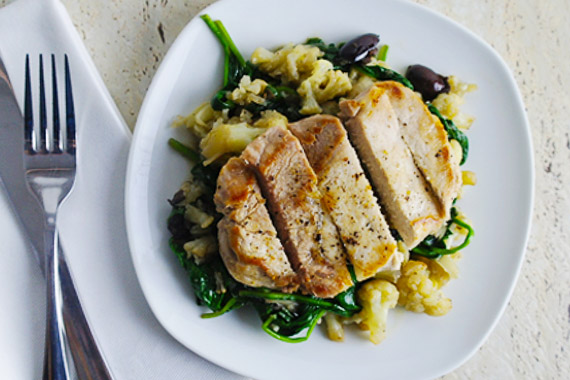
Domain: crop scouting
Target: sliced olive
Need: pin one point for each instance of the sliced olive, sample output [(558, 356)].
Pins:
[(427, 82), (360, 49)]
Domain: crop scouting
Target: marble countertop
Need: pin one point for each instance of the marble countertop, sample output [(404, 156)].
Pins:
[(128, 39)]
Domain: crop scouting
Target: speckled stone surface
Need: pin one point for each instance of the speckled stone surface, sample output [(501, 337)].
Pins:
[(128, 39)]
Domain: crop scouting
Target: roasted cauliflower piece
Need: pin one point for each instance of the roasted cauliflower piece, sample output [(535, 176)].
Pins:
[(291, 63), (335, 328), (200, 121), (420, 288), (248, 91), (376, 297), (202, 248), (270, 119), (449, 103), (322, 85), (227, 138)]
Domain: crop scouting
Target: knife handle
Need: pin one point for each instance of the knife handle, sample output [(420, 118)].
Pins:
[(88, 360)]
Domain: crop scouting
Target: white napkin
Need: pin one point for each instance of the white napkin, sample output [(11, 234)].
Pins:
[(91, 223)]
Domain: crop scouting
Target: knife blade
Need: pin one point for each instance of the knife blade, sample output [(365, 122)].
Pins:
[(88, 360), (25, 206)]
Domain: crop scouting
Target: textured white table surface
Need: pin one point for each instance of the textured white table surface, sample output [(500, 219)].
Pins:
[(128, 39)]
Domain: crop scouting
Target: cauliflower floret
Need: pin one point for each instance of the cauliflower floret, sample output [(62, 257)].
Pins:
[(376, 297), (192, 190), (248, 92), (270, 119), (420, 289), (202, 248), (200, 121), (291, 63), (324, 84), (335, 329), (448, 263), (197, 216), (227, 138), (448, 104)]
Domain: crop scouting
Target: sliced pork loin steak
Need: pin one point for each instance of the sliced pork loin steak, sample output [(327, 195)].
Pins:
[(248, 241), (428, 141), (347, 195), (411, 207), (308, 234)]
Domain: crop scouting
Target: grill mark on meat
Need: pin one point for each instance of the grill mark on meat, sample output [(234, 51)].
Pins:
[(428, 142), (373, 128), (306, 231), (249, 246), (347, 195)]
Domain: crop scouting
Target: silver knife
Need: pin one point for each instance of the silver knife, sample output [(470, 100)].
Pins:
[(89, 362), (12, 177)]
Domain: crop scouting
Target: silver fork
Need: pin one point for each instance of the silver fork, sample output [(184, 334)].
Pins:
[(49, 161)]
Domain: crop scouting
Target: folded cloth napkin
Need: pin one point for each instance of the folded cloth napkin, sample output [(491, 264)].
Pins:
[(91, 225)]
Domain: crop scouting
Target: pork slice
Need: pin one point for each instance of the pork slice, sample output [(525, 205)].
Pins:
[(306, 230), (347, 196), (428, 142), (248, 241), (373, 127)]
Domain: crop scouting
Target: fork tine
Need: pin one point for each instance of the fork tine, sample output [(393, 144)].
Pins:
[(69, 110), (43, 116), (28, 112), (55, 97)]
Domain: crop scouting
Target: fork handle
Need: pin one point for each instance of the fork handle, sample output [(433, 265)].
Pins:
[(55, 355)]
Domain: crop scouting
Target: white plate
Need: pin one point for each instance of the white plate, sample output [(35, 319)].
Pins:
[(417, 346)]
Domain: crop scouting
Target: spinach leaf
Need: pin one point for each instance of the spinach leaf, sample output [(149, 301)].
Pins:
[(453, 132), (235, 66), (282, 99), (331, 52), (203, 279), (348, 301), (284, 324), (333, 305), (184, 150), (208, 175), (382, 74), (432, 247)]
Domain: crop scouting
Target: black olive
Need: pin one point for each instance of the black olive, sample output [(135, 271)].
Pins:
[(359, 49), (177, 227), (427, 82), (177, 198)]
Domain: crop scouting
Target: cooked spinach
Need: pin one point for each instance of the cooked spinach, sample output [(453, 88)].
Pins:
[(208, 175), (433, 247), (204, 279), (331, 52), (184, 150), (382, 74), (282, 99), (234, 65), (453, 133)]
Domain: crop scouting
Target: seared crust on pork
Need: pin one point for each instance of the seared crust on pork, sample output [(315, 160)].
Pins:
[(347, 195), (427, 140), (248, 242), (373, 127), (306, 230)]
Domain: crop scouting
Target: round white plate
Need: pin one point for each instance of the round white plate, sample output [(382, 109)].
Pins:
[(417, 346)]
